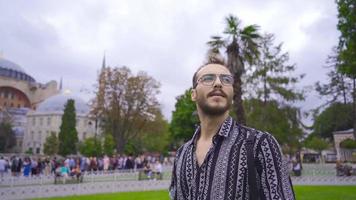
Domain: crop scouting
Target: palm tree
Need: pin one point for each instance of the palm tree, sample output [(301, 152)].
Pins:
[(241, 45)]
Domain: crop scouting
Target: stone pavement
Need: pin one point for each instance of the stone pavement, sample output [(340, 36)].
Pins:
[(38, 187)]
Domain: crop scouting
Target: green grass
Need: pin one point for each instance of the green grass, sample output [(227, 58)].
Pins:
[(325, 192), (302, 193)]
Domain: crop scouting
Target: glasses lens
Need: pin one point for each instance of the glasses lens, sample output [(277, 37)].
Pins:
[(207, 79), (226, 79)]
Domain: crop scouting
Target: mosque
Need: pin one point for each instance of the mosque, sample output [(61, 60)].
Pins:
[(35, 109)]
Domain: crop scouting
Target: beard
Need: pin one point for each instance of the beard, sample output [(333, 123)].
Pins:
[(213, 110)]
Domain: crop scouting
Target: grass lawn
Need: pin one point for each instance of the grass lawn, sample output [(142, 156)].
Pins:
[(302, 193)]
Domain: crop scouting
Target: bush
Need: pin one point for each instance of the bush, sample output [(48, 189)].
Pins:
[(348, 144)]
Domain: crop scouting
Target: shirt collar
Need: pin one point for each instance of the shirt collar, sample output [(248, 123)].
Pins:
[(224, 130)]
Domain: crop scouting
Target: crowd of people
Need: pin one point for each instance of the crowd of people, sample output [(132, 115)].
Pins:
[(34, 166)]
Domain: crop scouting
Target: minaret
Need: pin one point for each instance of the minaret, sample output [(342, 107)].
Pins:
[(60, 84), (104, 63)]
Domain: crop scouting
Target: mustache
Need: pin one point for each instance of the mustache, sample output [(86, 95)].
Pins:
[(217, 92)]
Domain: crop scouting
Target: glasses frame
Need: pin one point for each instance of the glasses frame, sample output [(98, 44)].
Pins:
[(215, 77)]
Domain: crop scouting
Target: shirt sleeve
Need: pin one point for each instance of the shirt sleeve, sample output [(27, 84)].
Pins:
[(274, 179), (173, 185)]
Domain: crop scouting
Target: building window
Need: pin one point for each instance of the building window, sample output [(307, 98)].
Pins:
[(33, 121), (84, 135), (32, 135), (39, 135), (41, 121), (48, 121)]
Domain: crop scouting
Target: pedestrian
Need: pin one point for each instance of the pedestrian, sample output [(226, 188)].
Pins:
[(225, 160), (3, 164)]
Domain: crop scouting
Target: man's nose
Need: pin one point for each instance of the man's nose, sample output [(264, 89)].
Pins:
[(217, 83)]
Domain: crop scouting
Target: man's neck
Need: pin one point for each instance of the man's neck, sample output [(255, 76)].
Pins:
[(209, 125)]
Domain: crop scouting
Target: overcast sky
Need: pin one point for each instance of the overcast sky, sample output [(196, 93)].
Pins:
[(167, 39)]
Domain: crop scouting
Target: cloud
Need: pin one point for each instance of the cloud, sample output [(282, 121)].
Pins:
[(167, 39)]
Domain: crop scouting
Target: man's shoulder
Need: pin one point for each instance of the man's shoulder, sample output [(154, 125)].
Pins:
[(246, 130)]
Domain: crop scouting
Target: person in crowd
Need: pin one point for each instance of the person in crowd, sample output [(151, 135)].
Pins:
[(2, 167), (27, 167)]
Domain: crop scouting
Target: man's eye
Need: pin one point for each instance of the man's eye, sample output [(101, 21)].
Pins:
[(207, 78), (226, 79)]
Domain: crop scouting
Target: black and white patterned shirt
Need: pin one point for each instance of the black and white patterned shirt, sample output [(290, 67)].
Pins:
[(223, 173)]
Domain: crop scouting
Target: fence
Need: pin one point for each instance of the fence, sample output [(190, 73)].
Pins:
[(124, 180)]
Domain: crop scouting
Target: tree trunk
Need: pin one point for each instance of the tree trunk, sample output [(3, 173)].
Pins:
[(120, 147), (354, 105), (238, 103)]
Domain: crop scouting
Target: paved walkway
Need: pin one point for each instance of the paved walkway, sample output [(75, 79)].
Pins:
[(38, 187)]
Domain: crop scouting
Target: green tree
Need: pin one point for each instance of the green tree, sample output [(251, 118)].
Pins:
[(156, 135), (91, 147), (338, 87), (336, 117), (241, 45), (270, 77), (68, 135), (281, 121), (109, 145), (127, 103), (348, 144), (51, 145), (7, 137), (318, 144), (184, 119), (347, 45), (272, 91)]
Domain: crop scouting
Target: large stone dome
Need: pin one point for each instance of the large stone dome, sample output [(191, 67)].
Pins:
[(55, 104), (12, 70)]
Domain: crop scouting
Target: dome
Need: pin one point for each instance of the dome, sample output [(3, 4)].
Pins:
[(13, 70), (55, 104)]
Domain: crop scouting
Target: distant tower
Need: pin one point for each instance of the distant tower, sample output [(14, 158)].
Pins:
[(104, 63), (61, 84)]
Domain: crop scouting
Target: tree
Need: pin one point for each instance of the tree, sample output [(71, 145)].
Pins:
[(338, 88), (348, 144), (336, 117), (68, 135), (7, 136), (184, 118), (241, 46), (109, 145), (347, 45), (271, 94), (316, 143), (128, 103), (155, 137), (51, 145), (281, 121), (270, 77), (91, 147)]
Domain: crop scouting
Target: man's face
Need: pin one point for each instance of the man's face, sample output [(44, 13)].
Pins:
[(216, 98)]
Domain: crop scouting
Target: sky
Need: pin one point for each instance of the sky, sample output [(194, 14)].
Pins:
[(167, 39)]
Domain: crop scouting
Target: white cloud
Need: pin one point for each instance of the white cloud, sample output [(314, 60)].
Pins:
[(167, 39)]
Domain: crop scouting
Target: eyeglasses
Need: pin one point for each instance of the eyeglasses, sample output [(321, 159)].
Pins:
[(209, 79)]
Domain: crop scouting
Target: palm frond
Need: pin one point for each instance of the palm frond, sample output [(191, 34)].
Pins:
[(232, 25)]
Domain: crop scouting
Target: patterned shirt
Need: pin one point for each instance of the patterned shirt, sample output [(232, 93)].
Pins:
[(223, 173)]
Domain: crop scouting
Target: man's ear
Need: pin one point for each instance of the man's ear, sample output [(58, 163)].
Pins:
[(194, 95)]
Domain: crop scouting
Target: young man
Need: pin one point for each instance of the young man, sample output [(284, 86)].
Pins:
[(214, 163)]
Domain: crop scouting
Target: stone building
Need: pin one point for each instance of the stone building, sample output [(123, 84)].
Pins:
[(20, 93), (47, 118), (339, 136)]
